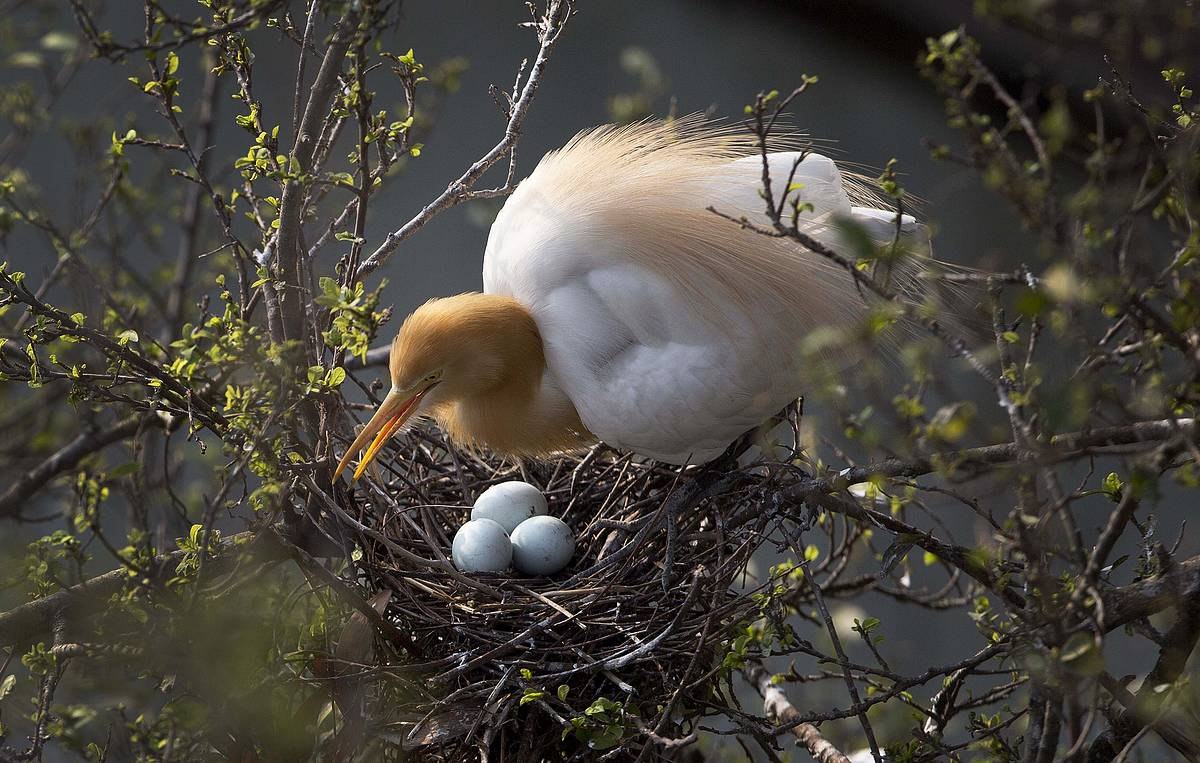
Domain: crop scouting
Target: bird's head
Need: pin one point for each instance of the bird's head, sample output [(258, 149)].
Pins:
[(447, 350)]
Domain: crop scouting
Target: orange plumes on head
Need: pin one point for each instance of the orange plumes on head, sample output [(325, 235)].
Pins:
[(475, 363), (476, 340)]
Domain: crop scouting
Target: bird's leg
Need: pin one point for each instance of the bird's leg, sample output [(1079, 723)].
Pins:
[(698, 487), (691, 493), (772, 436)]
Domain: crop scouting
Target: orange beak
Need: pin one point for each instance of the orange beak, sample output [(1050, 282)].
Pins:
[(391, 415)]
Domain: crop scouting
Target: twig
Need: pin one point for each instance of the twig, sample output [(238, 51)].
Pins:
[(550, 28)]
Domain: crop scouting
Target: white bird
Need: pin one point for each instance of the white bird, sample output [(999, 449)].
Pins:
[(618, 307)]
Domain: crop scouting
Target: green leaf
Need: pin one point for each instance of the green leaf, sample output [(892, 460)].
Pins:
[(336, 377), (562, 692), (868, 625), (7, 685), (127, 336), (608, 738), (1113, 486), (531, 695)]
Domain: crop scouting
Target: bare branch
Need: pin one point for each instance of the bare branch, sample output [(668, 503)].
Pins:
[(550, 27), (12, 501), (777, 706)]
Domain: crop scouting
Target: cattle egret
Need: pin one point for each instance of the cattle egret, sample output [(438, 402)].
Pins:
[(617, 306)]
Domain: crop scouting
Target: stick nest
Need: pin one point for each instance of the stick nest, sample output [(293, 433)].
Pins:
[(600, 655)]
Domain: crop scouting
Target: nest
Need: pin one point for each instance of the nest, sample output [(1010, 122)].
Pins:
[(622, 650)]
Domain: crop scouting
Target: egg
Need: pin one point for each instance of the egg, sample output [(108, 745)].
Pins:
[(542, 545), (510, 504), (481, 545)]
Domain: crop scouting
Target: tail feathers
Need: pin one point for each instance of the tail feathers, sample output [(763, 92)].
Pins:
[(902, 251)]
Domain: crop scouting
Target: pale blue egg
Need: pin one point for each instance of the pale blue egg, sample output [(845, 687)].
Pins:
[(510, 504), (481, 545), (542, 545)]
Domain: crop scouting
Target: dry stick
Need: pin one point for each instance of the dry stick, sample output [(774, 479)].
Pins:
[(819, 600), (344, 590), (550, 28), (668, 709), (776, 704), (327, 501)]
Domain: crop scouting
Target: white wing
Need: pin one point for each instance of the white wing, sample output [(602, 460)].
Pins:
[(651, 328)]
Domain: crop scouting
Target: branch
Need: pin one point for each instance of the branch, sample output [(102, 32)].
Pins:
[(30, 622), (550, 28), (1063, 447), (847, 673), (958, 556), (776, 704), (68, 457), (152, 369), (1138, 600), (1147, 707), (189, 221), (291, 202), (105, 47)]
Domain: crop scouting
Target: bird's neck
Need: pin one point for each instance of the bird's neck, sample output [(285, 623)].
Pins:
[(519, 410)]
